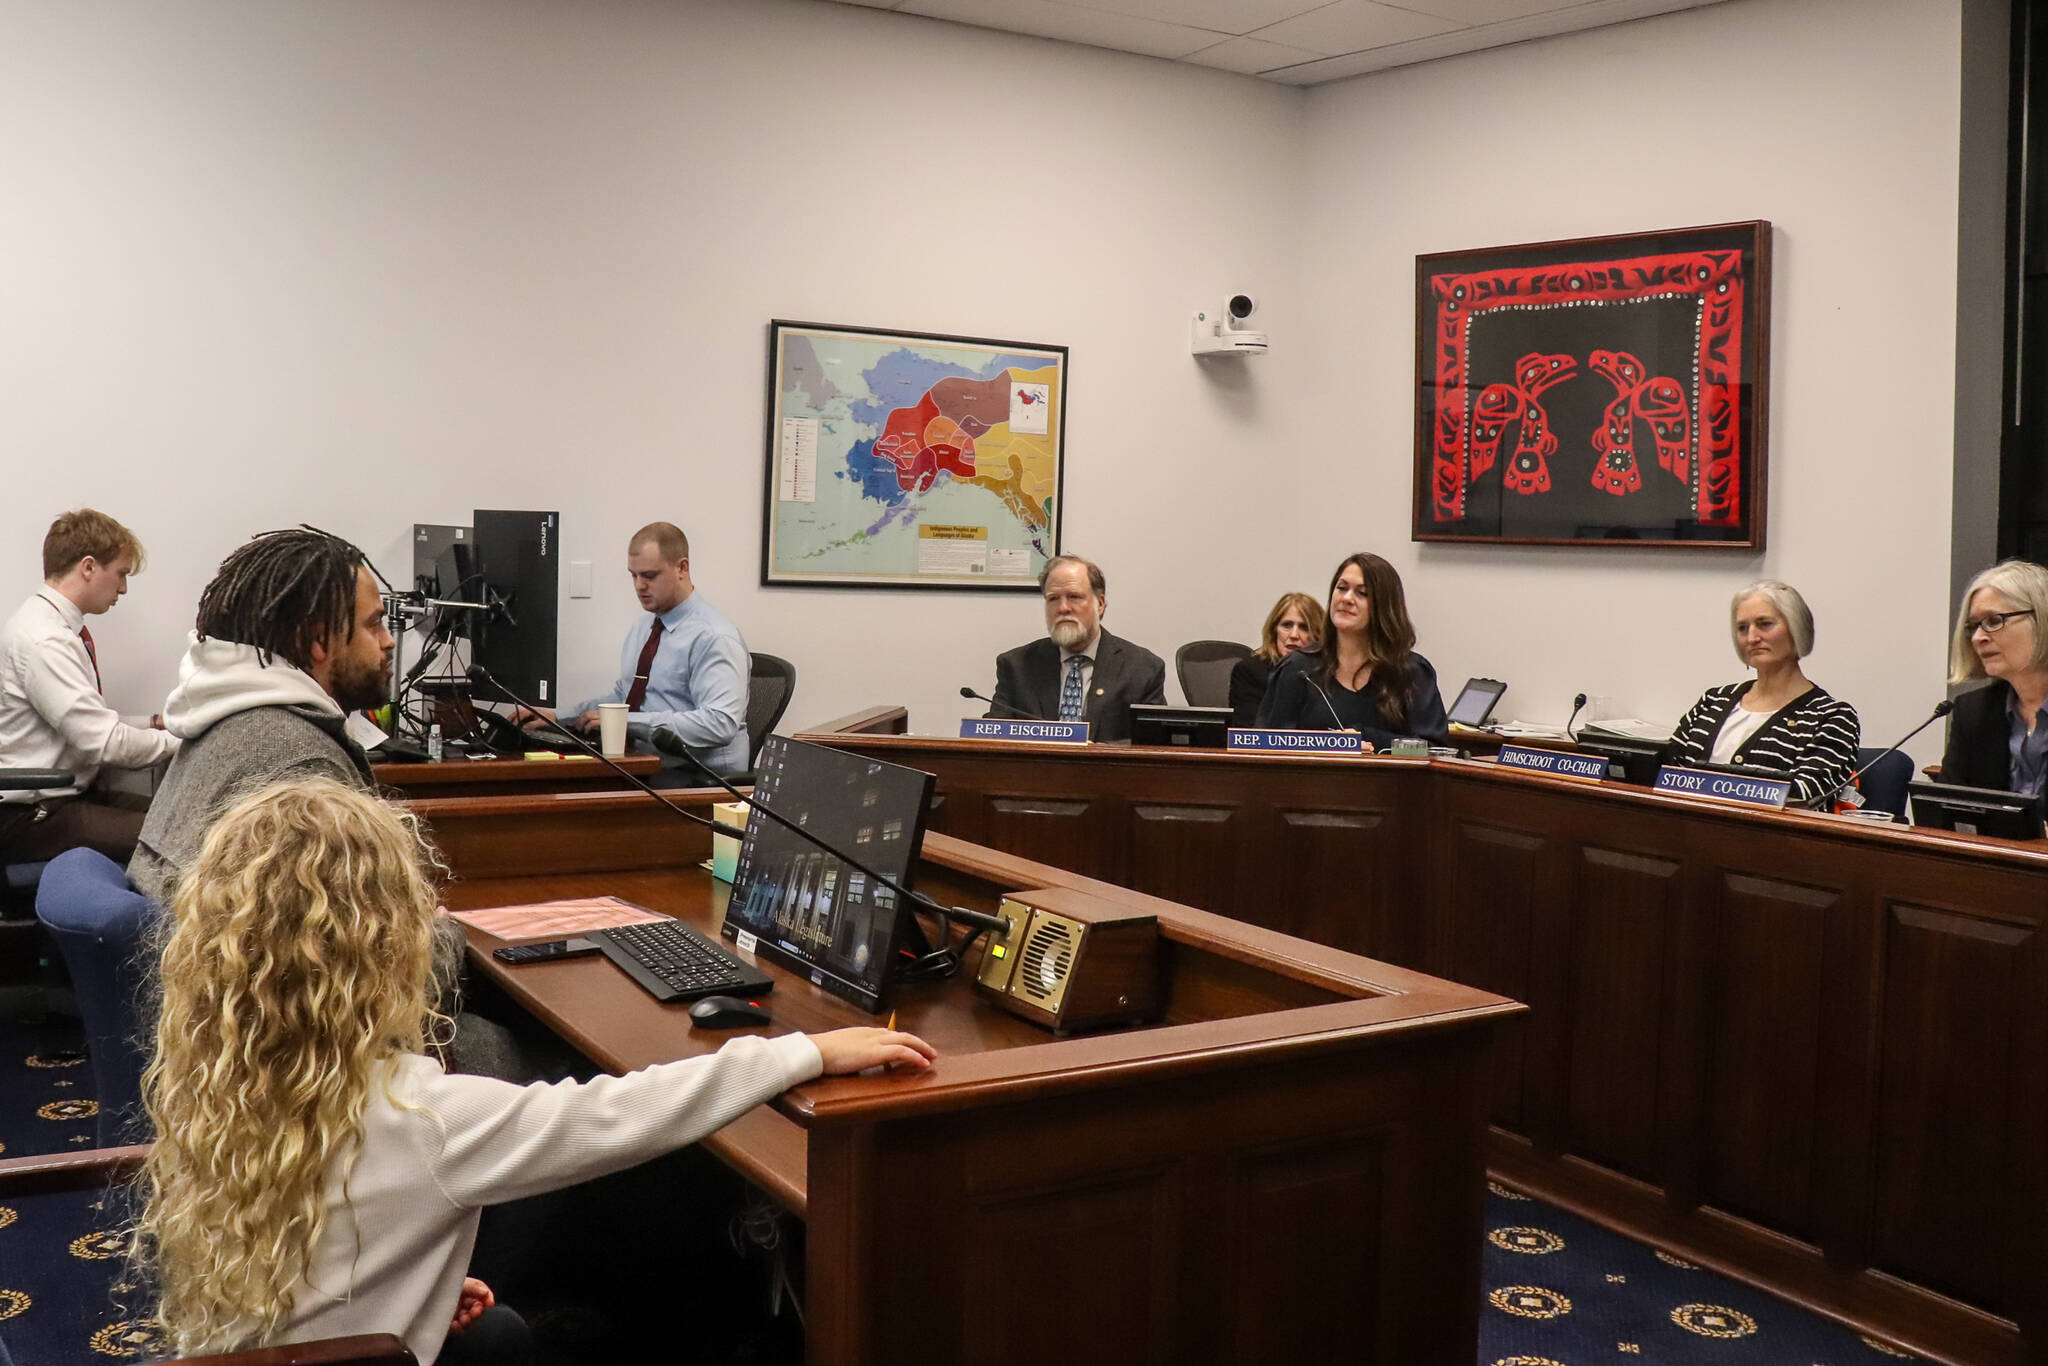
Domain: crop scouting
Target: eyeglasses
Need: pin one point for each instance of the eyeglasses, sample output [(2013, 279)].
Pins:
[(1991, 623)]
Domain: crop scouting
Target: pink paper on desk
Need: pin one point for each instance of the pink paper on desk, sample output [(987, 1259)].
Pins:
[(556, 919)]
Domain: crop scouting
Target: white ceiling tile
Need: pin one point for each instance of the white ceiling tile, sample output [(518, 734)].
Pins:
[(1070, 23), (1350, 26), (1595, 14), (1487, 11), (1220, 16), (1249, 56)]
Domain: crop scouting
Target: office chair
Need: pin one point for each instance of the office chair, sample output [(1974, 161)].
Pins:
[(771, 683), (1884, 786), (1204, 668), (100, 923), (18, 880)]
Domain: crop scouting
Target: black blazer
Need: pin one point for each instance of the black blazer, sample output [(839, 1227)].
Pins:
[(1979, 752), (1293, 702), (1028, 684), (1248, 680)]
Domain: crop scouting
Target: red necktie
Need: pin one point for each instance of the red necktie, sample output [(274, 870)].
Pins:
[(638, 692), (94, 656)]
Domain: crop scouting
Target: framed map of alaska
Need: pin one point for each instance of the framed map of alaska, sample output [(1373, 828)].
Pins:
[(910, 460)]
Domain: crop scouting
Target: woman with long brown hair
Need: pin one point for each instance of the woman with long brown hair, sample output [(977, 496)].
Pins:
[(316, 1174), (1364, 675)]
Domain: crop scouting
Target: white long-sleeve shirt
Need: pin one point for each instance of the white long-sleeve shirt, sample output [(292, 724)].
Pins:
[(51, 711), (393, 1253)]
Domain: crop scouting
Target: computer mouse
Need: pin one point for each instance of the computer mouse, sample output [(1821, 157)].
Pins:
[(727, 1012)]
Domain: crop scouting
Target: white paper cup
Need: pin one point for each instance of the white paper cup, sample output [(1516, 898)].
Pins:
[(611, 729)]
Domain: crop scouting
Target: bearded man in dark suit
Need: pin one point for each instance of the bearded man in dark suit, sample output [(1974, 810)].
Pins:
[(1079, 672)]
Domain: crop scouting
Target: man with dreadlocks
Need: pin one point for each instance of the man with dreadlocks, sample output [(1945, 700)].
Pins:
[(290, 639)]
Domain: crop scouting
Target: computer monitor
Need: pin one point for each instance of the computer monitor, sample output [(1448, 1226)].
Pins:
[(807, 909), (1190, 727), (1637, 760), (1975, 810), (518, 569), (1476, 701), (432, 544)]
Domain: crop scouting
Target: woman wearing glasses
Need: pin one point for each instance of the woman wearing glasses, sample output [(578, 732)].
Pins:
[(1779, 720), (1363, 674), (1998, 736)]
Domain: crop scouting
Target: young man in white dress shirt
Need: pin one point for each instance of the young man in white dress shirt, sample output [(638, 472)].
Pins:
[(52, 713)]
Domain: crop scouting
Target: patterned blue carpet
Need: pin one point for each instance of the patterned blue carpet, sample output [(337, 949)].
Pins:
[(1559, 1291), (1563, 1292), (60, 1255)]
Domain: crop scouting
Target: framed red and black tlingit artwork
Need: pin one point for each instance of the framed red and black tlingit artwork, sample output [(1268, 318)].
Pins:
[(1601, 391)]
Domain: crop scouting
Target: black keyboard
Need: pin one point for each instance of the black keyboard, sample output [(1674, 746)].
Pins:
[(674, 962)]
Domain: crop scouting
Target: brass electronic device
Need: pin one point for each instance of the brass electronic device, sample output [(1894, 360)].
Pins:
[(1071, 961)]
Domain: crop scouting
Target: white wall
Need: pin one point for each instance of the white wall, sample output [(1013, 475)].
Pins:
[(381, 262), (373, 263), (1834, 119)]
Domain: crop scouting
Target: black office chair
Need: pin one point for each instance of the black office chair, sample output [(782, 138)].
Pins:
[(1204, 668), (23, 945), (771, 683)]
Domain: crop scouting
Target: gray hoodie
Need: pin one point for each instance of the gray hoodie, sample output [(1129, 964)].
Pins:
[(245, 724)]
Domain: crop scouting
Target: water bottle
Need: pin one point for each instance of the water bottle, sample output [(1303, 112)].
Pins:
[(434, 744)]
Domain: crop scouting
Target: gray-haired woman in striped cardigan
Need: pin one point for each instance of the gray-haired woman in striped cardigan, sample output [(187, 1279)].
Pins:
[(1780, 719)]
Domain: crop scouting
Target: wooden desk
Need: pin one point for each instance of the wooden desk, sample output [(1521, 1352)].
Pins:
[(511, 776), (1810, 1052), (1286, 1167)]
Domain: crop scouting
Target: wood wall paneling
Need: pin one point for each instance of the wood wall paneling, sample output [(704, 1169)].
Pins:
[(1498, 877), (1186, 853), (1950, 1074), (1799, 1046), (1621, 921), (1314, 876)]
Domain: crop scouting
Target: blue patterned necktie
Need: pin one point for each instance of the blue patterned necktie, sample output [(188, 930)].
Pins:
[(1070, 692)]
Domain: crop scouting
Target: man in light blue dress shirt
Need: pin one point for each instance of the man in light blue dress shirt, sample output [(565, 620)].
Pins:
[(695, 663)]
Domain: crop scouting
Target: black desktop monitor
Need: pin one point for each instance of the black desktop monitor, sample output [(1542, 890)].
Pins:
[(1628, 758), (1191, 727), (1975, 810), (518, 570), (1476, 701), (807, 909), (432, 553)]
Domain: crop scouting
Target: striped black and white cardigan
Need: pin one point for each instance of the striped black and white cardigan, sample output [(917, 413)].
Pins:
[(1813, 737)]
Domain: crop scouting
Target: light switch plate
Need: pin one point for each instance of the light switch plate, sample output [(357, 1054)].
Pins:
[(579, 578)]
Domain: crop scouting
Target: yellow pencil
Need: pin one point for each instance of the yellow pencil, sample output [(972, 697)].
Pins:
[(892, 1019)]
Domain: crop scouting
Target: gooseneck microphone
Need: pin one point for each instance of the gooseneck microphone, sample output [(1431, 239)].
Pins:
[(1326, 703), (1578, 705), (1941, 709), (479, 674), (1017, 712), (669, 743)]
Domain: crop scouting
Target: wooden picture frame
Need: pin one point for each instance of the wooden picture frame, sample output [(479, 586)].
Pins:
[(1607, 391), (911, 460)]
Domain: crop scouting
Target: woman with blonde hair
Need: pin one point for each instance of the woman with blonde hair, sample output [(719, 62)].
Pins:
[(1295, 623), (316, 1173), (1998, 735), (1780, 720)]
